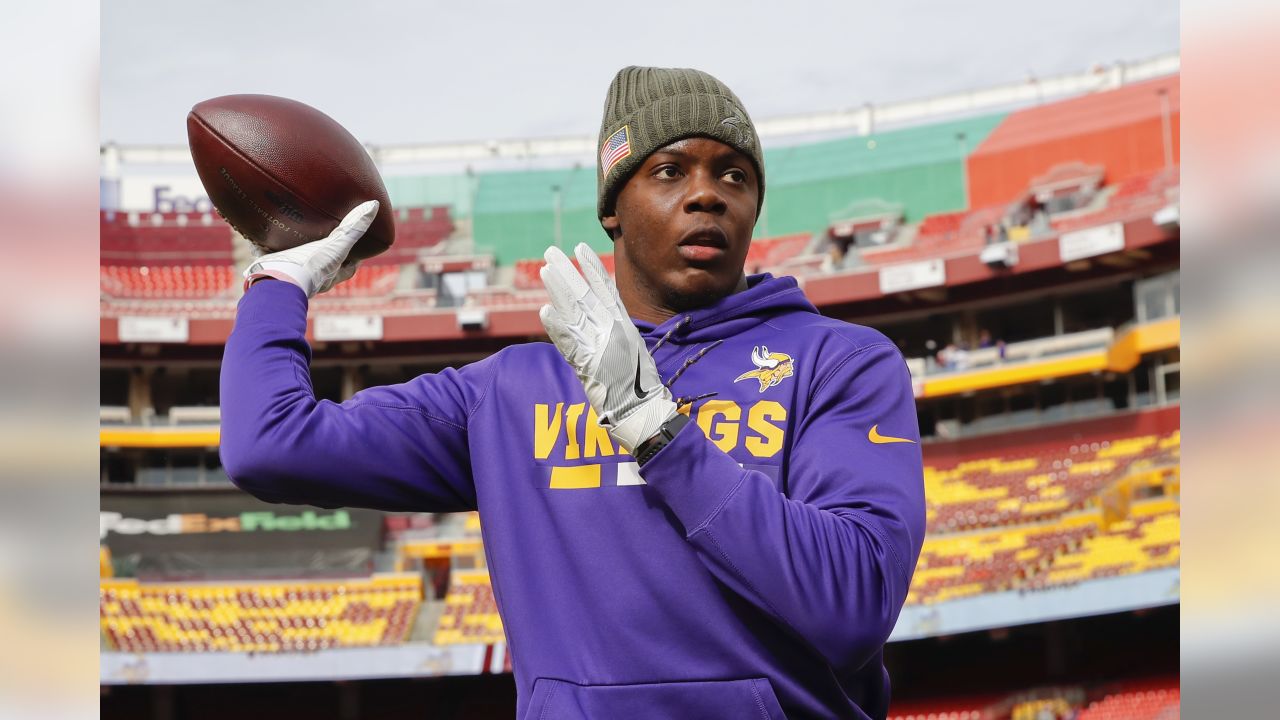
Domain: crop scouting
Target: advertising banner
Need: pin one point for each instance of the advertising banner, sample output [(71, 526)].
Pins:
[(229, 533)]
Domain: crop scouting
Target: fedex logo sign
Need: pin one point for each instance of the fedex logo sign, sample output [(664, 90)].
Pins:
[(170, 192), (167, 201)]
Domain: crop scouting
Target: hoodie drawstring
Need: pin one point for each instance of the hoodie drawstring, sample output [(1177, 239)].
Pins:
[(683, 321), (682, 401)]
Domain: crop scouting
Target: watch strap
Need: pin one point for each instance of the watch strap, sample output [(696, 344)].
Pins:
[(665, 435)]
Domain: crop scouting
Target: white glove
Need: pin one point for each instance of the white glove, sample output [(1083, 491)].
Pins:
[(318, 265), (589, 325)]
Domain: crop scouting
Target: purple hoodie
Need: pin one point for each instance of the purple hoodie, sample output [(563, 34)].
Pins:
[(753, 568)]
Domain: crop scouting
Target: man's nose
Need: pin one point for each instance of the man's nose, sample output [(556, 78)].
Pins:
[(704, 194)]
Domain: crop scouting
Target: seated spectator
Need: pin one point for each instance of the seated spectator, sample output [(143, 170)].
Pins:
[(948, 356)]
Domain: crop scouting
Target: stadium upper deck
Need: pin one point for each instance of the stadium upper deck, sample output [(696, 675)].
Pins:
[(862, 218)]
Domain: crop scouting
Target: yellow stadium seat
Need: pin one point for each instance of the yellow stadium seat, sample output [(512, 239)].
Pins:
[(273, 617)]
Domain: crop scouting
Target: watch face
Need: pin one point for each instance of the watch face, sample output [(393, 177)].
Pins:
[(672, 426)]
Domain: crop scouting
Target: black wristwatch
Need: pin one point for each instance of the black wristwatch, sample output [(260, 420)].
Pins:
[(665, 435)]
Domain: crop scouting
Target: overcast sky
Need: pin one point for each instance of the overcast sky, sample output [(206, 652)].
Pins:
[(421, 72)]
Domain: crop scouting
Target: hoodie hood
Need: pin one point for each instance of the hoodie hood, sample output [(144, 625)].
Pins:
[(765, 297)]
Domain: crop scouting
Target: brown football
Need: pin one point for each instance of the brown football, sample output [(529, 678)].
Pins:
[(283, 173)]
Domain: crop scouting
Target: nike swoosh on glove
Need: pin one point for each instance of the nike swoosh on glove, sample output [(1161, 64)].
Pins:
[(589, 325), (320, 264)]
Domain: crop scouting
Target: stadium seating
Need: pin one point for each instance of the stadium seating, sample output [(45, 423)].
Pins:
[(417, 229), (1036, 520), (159, 258), (1026, 522), (949, 233), (1155, 704), (938, 710), (1136, 197), (1150, 699), (375, 281), (988, 491), (938, 715), (1043, 708), (180, 263), (767, 254), (411, 302), (527, 278), (202, 309), (199, 292), (157, 239), (1146, 541), (432, 526), (258, 617), (168, 281), (939, 236), (504, 299), (470, 612), (961, 565)]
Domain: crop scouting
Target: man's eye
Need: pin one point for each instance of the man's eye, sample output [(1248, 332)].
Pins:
[(736, 176), (666, 171)]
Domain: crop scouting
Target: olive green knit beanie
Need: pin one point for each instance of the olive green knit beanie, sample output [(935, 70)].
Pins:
[(648, 108)]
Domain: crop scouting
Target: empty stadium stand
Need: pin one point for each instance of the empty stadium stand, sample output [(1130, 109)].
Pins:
[(167, 282), (1038, 709), (417, 229), (1035, 484), (135, 239), (921, 168), (967, 708), (1050, 513), (1153, 704), (527, 278), (962, 565), (373, 281), (1146, 541), (1137, 196), (939, 236), (517, 214), (939, 711), (166, 264), (1122, 130), (258, 617), (1016, 521), (470, 612), (946, 234), (1145, 699), (770, 254), (182, 263), (505, 299), (407, 302)]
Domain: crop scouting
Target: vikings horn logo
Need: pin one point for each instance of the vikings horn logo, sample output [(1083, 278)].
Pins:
[(771, 368)]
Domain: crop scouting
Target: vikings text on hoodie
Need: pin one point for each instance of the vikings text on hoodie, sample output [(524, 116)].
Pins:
[(753, 568)]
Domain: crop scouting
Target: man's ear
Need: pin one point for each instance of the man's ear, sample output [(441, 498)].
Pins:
[(612, 226)]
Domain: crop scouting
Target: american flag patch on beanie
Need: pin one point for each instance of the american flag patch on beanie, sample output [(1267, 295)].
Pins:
[(617, 147)]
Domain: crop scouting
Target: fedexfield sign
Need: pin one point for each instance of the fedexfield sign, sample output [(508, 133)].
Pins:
[(227, 521), (267, 521)]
